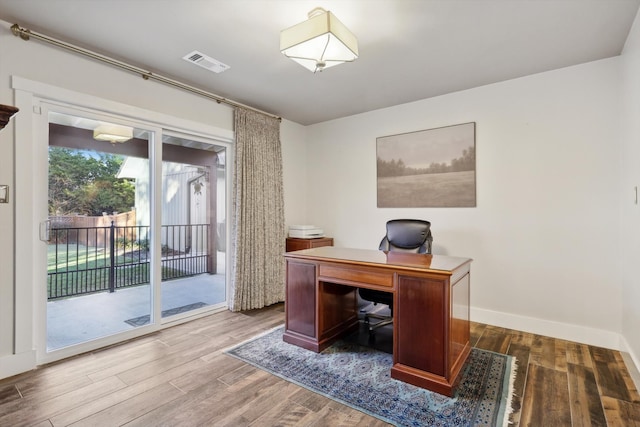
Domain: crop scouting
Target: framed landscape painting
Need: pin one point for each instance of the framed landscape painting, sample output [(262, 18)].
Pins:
[(432, 168)]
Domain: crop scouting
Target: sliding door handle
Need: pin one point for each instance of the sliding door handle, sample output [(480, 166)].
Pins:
[(45, 230)]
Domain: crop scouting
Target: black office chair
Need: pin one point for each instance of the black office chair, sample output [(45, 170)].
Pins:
[(404, 235)]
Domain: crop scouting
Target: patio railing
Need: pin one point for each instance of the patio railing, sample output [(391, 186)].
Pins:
[(84, 260)]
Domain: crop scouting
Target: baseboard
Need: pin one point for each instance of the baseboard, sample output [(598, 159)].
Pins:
[(14, 364), (565, 331), (632, 361)]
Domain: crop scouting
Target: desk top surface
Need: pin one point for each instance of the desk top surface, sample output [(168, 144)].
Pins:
[(403, 260)]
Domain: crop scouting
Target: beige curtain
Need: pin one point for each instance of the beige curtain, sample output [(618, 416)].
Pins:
[(258, 230)]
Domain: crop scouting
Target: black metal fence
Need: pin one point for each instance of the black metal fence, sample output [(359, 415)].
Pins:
[(84, 260)]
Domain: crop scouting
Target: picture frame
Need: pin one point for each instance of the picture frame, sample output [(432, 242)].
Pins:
[(428, 168)]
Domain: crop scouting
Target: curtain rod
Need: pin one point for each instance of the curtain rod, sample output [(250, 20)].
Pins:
[(25, 34)]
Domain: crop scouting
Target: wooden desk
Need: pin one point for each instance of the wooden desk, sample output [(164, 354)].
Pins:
[(431, 331)]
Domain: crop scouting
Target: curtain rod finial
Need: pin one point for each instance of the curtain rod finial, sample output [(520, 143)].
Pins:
[(20, 32)]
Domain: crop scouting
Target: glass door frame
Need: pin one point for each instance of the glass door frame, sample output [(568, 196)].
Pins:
[(40, 197), (34, 100)]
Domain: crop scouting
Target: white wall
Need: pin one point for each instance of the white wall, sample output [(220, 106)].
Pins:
[(293, 138), (630, 209), (543, 235)]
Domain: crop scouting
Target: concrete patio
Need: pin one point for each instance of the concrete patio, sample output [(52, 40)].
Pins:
[(83, 318)]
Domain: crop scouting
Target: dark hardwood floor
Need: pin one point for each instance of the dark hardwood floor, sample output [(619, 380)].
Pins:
[(180, 376)]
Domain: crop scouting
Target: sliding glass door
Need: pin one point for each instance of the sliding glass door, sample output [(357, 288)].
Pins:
[(193, 237), (97, 230), (135, 230)]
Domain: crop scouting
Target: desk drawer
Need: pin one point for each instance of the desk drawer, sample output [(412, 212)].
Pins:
[(355, 275)]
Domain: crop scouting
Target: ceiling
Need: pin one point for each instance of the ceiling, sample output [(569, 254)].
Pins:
[(409, 49)]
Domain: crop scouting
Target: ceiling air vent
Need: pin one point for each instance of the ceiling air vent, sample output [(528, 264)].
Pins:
[(205, 61)]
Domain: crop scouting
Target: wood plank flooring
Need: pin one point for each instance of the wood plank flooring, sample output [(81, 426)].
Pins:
[(181, 377)]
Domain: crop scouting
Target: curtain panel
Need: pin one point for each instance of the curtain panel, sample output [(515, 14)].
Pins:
[(258, 230)]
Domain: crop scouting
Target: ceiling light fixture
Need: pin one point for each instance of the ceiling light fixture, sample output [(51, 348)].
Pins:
[(320, 42), (112, 133)]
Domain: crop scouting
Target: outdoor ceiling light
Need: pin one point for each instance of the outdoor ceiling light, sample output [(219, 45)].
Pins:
[(112, 133), (320, 42)]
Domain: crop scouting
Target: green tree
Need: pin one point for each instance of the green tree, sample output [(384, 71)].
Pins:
[(85, 183)]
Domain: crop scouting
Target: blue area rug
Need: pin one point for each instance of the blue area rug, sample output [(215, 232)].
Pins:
[(360, 378)]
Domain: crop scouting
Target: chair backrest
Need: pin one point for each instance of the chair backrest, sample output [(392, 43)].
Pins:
[(407, 235)]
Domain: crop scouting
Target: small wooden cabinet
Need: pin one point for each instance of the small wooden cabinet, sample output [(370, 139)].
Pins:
[(295, 244)]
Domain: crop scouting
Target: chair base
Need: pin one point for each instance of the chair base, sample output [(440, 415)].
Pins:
[(384, 320)]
